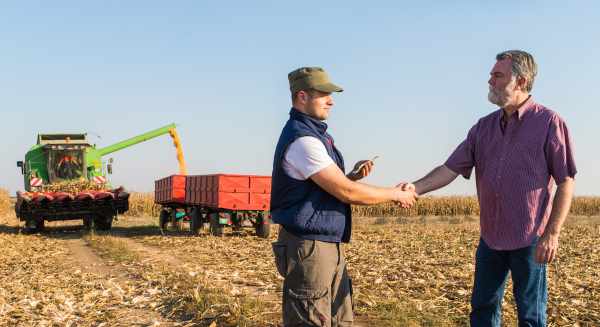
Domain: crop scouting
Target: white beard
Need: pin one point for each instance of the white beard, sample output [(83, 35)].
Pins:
[(502, 97)]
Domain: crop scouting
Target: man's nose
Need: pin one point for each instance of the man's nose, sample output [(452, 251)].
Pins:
[(491, 81), (330, 101)]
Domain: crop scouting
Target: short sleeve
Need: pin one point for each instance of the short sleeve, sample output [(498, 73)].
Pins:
[(559, 151), (462, 160), (305, 157)]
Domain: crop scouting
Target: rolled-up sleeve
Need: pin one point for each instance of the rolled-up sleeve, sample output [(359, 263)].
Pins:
[(559, 151), (462, 160)]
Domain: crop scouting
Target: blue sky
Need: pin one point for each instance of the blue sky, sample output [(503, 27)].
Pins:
[(415, 76)]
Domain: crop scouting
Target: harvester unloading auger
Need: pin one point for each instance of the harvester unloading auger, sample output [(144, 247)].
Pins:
[(66, 179)]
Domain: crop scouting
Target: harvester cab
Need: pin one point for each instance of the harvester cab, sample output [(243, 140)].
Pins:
[(55, 158)]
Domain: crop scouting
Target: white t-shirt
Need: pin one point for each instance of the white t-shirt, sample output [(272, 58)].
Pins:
[(305, 157)]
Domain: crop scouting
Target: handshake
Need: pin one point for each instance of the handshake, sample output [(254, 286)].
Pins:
[(405, 195)]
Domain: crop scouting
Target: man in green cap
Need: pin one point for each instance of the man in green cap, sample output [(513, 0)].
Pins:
[(310, 199)]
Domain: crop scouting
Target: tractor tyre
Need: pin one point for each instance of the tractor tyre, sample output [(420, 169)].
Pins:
[(263, 227), (216, 228), (163, 219), (195, 222)]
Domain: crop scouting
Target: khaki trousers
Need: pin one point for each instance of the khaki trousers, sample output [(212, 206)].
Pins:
[(316, 288)]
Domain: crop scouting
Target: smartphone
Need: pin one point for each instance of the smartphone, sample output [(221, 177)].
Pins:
[(355, 171)]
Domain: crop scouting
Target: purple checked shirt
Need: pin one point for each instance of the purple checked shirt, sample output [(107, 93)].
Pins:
[(515, 169)]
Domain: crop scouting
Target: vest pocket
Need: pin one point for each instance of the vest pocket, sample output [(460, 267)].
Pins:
[(279, 252)]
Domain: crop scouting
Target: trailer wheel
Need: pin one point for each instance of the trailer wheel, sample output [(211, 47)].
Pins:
[(216, 228), (196, 221), (103, 221), (263, 226), (237, 222), (177, 224), (163, 219)]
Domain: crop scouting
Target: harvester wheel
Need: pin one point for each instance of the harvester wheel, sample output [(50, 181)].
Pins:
[(163, 219), (87, 223), (195, 221), (263, 226), (103, 222), (33, 225), (216, 228)]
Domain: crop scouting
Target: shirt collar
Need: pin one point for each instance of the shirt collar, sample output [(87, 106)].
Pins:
[(523, 109)]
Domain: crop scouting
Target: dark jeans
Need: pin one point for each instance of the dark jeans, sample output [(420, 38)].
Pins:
[(529, 286)]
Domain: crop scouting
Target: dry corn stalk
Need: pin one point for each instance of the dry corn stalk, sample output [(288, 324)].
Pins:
[(5, 203), (142, 204), (459, 206)]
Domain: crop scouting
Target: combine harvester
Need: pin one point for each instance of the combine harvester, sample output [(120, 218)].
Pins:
[(66, 179)]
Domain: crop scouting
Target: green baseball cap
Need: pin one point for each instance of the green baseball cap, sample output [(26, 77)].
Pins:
[(311, 78)]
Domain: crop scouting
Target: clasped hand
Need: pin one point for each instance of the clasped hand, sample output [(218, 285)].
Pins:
[(406, 195)]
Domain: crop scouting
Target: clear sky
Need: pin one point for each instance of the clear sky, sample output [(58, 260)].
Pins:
[(414, 72)]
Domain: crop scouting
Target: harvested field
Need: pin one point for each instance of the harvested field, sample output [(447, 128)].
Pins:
[(406, 272)]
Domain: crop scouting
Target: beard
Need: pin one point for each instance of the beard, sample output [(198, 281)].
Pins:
[(498, 97), (501, 97)]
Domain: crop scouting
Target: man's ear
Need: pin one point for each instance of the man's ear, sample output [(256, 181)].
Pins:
[(302, 96), (521, 82)]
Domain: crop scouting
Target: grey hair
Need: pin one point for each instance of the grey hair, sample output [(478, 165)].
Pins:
[(522, 64)]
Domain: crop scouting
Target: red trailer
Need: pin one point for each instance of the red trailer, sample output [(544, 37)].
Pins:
[(219, 200)]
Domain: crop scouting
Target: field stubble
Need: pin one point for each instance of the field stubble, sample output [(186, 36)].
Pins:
[(406, 271), (411, 273)]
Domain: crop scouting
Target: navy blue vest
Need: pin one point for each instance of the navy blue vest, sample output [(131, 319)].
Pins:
[(302, 207)]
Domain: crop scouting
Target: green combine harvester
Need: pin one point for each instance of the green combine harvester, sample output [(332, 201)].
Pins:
[(65, 178)]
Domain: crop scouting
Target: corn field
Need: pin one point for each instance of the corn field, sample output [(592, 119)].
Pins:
[(4, 201), (425, 206), (460, 206), (142, 204)]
